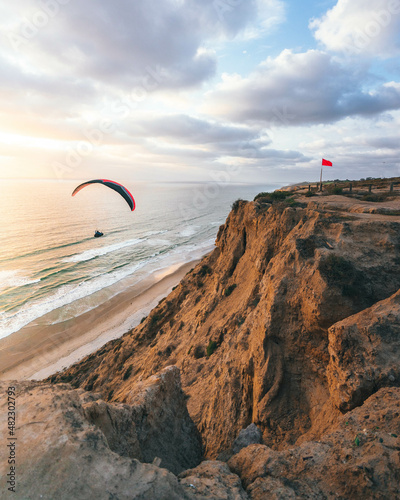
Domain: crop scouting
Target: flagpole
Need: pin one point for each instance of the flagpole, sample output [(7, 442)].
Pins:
[(320, 181)]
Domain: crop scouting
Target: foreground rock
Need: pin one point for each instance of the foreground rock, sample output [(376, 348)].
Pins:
[(62, 455), (155, 424), (71, 444), (358, 459), (214, 480)]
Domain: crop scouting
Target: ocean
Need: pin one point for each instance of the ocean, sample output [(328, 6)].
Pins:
[(53, 269)]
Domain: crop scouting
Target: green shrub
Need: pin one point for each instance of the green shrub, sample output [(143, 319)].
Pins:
[(204, 270), (155, 318), (212, 345), (261, 195), (372, 197), (293, 203), (229, 290), (309, 194), (274, 196), (236, 204), (332, 189)]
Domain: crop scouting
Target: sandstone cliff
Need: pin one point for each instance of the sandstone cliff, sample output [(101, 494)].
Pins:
[(289, 323), (261, 305)]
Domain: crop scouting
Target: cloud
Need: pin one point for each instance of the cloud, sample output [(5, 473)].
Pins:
[(143, 68), (385, 143), (196, 130), (305, 88), (121, 44), (269, 15), (187, 136), (355, 29), (60, 61)]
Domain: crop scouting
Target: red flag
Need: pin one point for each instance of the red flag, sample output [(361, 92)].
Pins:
[(327, 163)]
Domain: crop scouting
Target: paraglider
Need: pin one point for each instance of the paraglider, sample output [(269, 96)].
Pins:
[(119, 188)]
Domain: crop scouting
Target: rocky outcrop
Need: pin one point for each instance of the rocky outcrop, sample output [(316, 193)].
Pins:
[(72, 444), (61, 454), (249, 325), (214, 480), (358, 459), (365, 353), (248, 436), (156, 423)]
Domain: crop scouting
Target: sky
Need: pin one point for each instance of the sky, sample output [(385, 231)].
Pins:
[(199, 90)]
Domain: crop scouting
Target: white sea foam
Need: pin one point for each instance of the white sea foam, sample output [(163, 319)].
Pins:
[(70, 293), (158, 242), (153, 233), (189, 231), (63, 296), (14, 278), (97, 252)]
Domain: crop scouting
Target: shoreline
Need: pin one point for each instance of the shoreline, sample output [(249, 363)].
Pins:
[(36, 352)]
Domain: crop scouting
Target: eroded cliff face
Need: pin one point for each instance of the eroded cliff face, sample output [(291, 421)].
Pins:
[(71, 444), (254, 327)]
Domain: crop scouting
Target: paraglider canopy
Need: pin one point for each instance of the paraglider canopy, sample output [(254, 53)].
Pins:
[(119, 188)]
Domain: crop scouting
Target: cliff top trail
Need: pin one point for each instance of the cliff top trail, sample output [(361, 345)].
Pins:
[(253, 327)]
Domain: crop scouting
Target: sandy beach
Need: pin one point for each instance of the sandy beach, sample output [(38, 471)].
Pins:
[(36, 352)]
